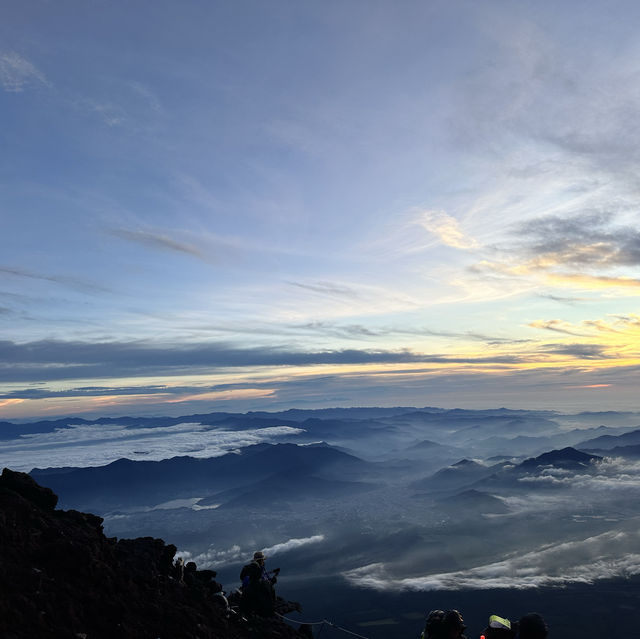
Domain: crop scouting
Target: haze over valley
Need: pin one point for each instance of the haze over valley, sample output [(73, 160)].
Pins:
[(375, 500)]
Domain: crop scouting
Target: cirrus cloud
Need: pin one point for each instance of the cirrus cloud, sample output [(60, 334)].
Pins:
[(446, 228), (17, 73)]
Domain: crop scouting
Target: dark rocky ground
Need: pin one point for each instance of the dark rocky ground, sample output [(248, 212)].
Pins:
[(61, 577)]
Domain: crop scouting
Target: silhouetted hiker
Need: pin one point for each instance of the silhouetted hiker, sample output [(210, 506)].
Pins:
[(532, 626), (498, 628), (432, 624), (258, 593), (444, 625), (179, 569), (453, 625), (189, 573)]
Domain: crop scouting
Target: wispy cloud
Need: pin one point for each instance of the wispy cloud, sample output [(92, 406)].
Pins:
[(555, 245), (595, 282), (57, 279), (446, 228), (111, 114), (580, 351), (17, 73), (10, 402), (147, 95), (159, 241), (616, 326), (329, 289), (170, 393), (361, 331), (601, 326), (564, 300), (586, 240), (292, 544), (590, 386), (557, 326), (215, 557)]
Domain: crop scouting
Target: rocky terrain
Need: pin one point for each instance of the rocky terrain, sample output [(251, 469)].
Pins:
[(61, 577)]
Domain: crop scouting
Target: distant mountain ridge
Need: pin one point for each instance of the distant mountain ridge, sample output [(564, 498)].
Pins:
[(566, 458), (612, 441), (125, 483)]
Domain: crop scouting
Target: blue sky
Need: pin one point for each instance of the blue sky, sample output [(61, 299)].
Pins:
[(252, 205)]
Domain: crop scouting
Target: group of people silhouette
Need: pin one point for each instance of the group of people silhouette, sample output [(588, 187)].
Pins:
[(258, 596), (449, 624)]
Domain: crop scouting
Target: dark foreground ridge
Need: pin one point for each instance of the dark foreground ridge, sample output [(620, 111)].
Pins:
[(61, 577)]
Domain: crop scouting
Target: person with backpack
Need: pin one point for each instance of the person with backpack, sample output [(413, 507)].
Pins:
[(258, 592)]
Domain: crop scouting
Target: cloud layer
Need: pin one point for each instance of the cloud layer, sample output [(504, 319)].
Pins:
[(99, 444), (606, 556), (217, 558)]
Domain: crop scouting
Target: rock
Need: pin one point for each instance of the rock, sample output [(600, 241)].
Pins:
[(61, 577), (28, 488)]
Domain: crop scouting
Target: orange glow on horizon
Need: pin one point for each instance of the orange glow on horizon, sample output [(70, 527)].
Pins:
[(238, 393), (10, 402), (590, 386)]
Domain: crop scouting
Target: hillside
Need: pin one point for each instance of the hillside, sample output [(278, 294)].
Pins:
[(125, 482), (61, 577)]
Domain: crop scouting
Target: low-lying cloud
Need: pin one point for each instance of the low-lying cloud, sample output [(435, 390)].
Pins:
[(609, 555), (216, 558), (99, 444), (292, 544)]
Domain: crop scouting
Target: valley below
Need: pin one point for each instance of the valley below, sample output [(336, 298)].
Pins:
[(376, 516)]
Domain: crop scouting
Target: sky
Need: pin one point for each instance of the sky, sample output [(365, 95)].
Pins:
[(261, 205)]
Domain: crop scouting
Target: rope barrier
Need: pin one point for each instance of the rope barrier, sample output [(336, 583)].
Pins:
[(353, 634), (307, 623), (323, 623)]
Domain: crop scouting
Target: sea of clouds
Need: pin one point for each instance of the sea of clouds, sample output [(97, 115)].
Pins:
[(98, 444), (615, 553), (605, 492)]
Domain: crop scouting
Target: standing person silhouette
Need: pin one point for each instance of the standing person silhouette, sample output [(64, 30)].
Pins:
[(258, 593)]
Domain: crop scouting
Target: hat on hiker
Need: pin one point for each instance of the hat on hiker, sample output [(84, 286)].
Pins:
[(499, 622), (258, 555)]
